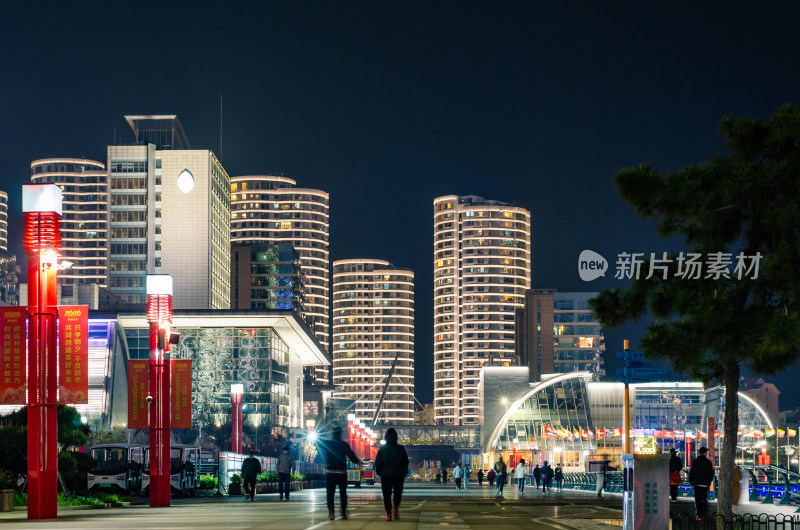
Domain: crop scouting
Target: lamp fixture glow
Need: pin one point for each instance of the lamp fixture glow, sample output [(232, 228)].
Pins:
[(159, 284), (41, 198), (237, 388), (185, 181)]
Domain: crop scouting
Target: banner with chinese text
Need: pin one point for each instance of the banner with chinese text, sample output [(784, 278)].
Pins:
[(13, 355), (73, 358), (138, 377), (181, 393)]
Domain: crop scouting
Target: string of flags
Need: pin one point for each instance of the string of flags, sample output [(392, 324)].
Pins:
[(579, 433)]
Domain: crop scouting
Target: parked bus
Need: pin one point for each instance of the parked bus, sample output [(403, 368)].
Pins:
[(117, 467), (368, 472), (184, 469), (353, 474)]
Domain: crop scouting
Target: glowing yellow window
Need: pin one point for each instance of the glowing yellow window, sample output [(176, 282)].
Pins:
[(286, 225), (234, 187), (509, 215)]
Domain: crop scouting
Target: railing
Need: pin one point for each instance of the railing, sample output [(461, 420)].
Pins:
[(748, 521)]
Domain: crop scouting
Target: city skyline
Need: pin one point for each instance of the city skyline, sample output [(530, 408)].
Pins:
[(387, 108)]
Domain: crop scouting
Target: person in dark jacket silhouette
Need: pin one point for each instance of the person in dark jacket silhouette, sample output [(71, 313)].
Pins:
[(537, 475), (391, 465), (675, 467), (701, 475), (251, 467), (336, 452)]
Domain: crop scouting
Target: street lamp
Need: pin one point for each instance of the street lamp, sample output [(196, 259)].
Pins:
[(41, 207), (237, 391), (159, 316)]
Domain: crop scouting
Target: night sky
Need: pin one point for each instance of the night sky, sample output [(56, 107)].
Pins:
[(387, 105)]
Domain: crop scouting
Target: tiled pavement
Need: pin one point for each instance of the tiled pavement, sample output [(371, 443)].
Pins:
[(423, 507)]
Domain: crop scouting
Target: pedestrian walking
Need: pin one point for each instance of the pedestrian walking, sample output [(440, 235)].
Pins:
[(467, 472), (537, 475), (336, 453), (675, 467), (501, 474), (444, 476), (547, 476), (701, 475), (458, 474), (286, 467), (391, 465), (480, 477), (558, 475), (438, 477), (251, 467), (601, 482), (490, 476), (520, 473)]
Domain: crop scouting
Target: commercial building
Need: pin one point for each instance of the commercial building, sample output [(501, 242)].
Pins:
[(764, 393), (84, 222), (482, 269), (373, 338), (169, 213), (558, 333), (267, 278), (263, 351), (268, 209), (571, 419)]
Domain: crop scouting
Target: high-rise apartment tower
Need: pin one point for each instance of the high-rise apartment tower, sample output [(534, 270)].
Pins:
[(482, 268), (373, 324), (271, 210), (84, 223)]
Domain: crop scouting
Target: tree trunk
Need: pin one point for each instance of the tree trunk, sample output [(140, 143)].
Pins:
[(726, 460)]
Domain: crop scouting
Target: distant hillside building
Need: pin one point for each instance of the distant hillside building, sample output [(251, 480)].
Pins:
[(765, 394)]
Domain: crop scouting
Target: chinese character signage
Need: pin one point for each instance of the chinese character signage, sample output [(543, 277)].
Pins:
[(73, 359), (137, 393), (181, 393), (12, 352), (711, 442)]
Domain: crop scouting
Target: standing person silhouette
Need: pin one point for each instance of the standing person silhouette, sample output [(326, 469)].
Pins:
[(391, 465), (251, 467), (336, 453)]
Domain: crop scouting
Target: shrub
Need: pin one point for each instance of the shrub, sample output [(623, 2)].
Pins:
[(108, 498), (8, 480), (266, 477), (20, 499), (208, 482), (76, 500), (236, 479), (298, 476)]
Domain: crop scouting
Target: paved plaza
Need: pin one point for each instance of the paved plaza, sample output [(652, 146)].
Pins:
[(422, 507)]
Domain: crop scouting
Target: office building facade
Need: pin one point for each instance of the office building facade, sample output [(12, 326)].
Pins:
[(84, 222), (482, 268), (558, 333), (270, 209), (373, 327), (267, 278), (169, 213)]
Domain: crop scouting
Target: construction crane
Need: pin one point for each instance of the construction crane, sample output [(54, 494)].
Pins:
[(385, 388)]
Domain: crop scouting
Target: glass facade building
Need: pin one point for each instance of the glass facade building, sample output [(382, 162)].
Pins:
[(267, 277), (482, 268), (265, 352), (268, 209), (373, 324)]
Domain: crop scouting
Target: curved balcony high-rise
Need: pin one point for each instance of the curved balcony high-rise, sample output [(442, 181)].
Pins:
[(373, 323), (481, 270), (84, 223), (270, 209)]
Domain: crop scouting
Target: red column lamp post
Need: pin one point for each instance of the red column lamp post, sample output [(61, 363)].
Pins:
[(159, 315), (237, 390), (41, 207)]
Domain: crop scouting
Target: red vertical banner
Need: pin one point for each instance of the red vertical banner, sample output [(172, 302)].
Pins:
[(73, 358), (12, 355), (711, 440), (137, 393), (181, 393)]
